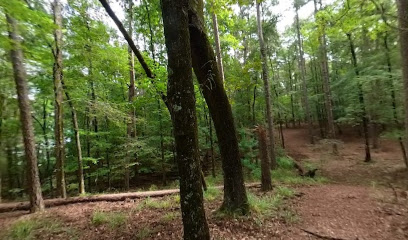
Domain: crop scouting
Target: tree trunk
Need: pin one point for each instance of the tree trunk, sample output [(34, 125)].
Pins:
[(364, 117), (218, 45), (206, 70), (131, 94), (393, 98), (183, 111), (403, 31), (331, 132), (81, 183), (266, 183), (16, 53), (267, 89), (302, 66), (59, 98)]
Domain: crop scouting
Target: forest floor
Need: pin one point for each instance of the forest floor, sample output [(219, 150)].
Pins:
[(359, 201)]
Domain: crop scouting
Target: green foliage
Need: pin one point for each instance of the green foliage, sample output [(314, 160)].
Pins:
[(27, 229), (212, 194), (113, 219)]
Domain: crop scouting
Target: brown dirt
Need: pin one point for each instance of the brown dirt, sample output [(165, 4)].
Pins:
[(362, 201)]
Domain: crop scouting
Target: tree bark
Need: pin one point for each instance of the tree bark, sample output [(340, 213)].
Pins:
[(183, 112), (364, 117), (58, 101), (302, 66), (403, 32), (33, 180), (331, 132), (266, 183), (206, 70), (267, 88)]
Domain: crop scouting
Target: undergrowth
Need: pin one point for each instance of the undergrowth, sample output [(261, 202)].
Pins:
[(28, 229), (112, 219)]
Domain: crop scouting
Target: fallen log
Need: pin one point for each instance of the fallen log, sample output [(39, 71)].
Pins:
[(116, 197)]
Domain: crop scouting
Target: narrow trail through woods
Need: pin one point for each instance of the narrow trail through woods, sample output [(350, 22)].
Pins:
[(360, 202)]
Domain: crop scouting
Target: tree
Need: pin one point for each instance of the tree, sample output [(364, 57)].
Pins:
[(16, 54), (403, 32), (58, 103), (267, 88), (331, 132), (364, 118), (206, 70), (217, 43), (302, 67), (183, 112)]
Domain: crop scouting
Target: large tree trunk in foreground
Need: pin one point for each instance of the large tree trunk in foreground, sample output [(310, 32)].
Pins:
[(364, 117), (331, 132), (206, 70), (266, 183), (183, 113), (59, 98), (403, 30), (267, 89), (302, 66), (33, 180)]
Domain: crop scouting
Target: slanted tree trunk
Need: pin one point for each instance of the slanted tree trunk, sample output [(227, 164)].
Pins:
[(403, 31), (266, 183), (302, 66), (331, 132), (206, 70), (33, 180), (59, 98), (364, 117), (267, 88), (80, 174), (218, 45), (183, 112)]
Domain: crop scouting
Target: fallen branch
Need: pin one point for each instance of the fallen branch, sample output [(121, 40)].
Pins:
[(321, 236), (25, 206)]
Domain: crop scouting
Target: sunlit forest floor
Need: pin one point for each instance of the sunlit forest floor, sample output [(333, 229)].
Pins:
[(349, 200)]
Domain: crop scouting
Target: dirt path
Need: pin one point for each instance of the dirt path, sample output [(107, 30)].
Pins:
[(360, 202)]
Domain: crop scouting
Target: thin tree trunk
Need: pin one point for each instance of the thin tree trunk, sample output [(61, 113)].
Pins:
[(218, 45), (331, 133), (302, 66), (364, 117), (206, 70), (267, 88), (131, 94), (403, 32), (393, 98), (16, 53), (81, 183), (59, 97), (266, 183), (183, 111)]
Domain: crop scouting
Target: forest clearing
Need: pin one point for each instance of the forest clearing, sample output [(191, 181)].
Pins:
[(203, 119)]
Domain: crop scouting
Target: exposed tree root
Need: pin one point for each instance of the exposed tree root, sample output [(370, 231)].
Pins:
[(321, 236)]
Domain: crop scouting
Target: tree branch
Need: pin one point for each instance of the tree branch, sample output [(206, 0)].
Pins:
[(128, 38)]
